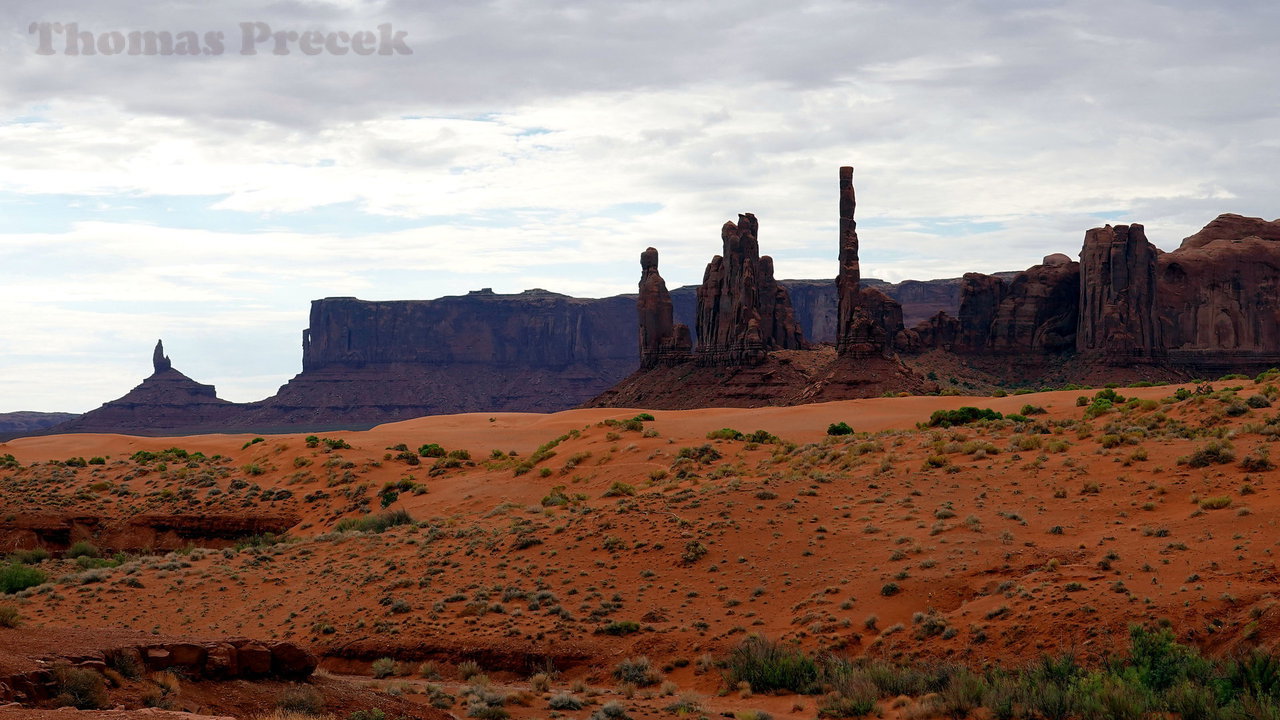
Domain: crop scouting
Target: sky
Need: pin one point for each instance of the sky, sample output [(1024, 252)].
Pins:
[(207, 198)]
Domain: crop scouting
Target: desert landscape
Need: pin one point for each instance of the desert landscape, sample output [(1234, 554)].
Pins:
[(908, 551)]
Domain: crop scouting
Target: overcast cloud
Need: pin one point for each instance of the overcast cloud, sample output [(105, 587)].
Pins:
[(545, 143)]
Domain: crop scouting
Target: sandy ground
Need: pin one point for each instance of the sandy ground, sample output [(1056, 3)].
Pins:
[(980, 544)]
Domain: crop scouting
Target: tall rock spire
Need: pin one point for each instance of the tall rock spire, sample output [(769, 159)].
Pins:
[(661, 340), (159, 360), (866, 320)]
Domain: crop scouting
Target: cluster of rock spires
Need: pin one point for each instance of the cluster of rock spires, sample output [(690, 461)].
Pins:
[(1211, 306), (742, 311)]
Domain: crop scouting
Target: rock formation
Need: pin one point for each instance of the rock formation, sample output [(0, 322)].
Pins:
[(743, 313), (1117, 320), (1038, 312), (1218, 303), (869, 321), (159, 361), (661, 339), (165, 402)]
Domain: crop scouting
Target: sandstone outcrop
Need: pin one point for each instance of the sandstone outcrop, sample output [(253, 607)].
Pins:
[(743, 313), (1218, 304), (165, 402), (661, 339), (1117, 320), (31, 680), (868, 321)]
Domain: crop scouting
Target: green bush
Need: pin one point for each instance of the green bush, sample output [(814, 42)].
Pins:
[(14, 578), (724, 434), (839, 428), (375, 523), (621, 627), (83, 548), (432, 450), (767, 665), (34, 556), (1215, 452), (383, 667), (962, 416)]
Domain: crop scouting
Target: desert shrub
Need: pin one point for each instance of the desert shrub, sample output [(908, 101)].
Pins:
[(644, 417), (693, 551), (725, 434), (35, 556), (9, 462), (9, 617), (1216, 503), (621, 627), (763, 437), (556, 497), (962, 416), (468, 669), (1031, 410), (303, 699), (432, 450), (80, 688), (846, 706), (1215, 452), (612, 710), (14, 578), (637, 671), (375, 523), (564, 701), (83, 548), (704, 453), (767, 665), (383, 667), (1258, 401), (839, 428), (1259, 461), (890, 589), (619, 489)]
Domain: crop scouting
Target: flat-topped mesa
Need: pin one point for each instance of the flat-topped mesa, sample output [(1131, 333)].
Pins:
[(743, 312), (1117, 320), (868, 322), (662, 341), (159, 361)]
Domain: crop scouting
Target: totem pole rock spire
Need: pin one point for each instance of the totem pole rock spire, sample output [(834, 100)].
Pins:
[(159, 360)]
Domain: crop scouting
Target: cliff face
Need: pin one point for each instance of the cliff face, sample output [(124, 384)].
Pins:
[(1117, 322), (532, 329), (1218, 305)]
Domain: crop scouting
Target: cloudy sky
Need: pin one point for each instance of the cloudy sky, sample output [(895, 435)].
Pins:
[(544, 143)]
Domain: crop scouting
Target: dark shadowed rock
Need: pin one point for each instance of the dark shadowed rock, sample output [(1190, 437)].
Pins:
[(1219, 296), (1117, 321), (1039, 311), (869, 321), (159, 360), (661, 339), (742, 311)]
